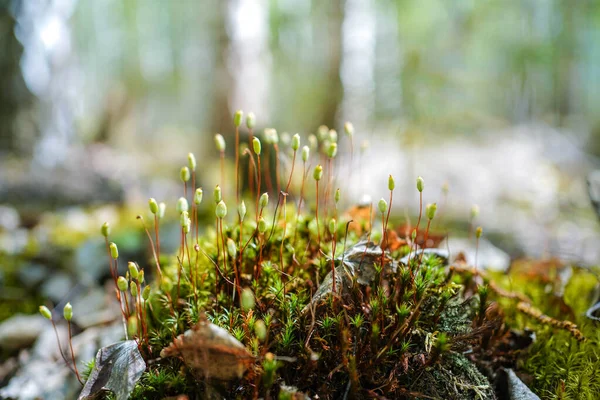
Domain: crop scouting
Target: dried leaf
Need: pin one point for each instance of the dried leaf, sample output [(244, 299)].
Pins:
[(211, 350), (118, 368), (357, 262)]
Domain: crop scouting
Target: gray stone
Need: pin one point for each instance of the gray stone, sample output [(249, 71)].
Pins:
[(31, 275), (95, 306), (20, 331), (57, 286), (9, 218), (517, 390)]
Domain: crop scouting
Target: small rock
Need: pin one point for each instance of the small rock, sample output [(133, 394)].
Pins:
[(31, 275), (21, 331), (517, 390), (57, 286), (9, 218), (94, 307)]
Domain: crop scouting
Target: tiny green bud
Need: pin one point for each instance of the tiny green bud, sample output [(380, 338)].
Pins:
[(133, 289), (68, 311), (420, 184), (161, 210), (337, 196), (474, 211), (382, 206), (114, 250), (391, 183), (146, 293), (333, 136), (122, 283), (133, 271), (153, 206), (364, 145), (256, 146), (242, 210), (349, 128), (247, 299), (332, 150), (220, 142), (295, 142), (132, 325), (260, 329), (141, 277), (165, 284), (313, 142), (445, 188), (322, 131), (198, 196), (478, 232), (217, 194), (237, 118), (45, 312), (430, 210), (105, 229), (332, 226), (184, 174), (264, 200), (318, 174), (184, 218), (250, 120), (231, 249), (413, 235), (191, 162), (305, 153), (262, 225), (271, 136), (182, 205), (221, 210)]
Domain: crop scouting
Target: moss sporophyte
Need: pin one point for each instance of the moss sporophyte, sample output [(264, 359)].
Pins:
[(250, 308)]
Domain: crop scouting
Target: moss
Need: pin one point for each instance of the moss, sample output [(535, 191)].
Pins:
[(455, 378), (337, 320)]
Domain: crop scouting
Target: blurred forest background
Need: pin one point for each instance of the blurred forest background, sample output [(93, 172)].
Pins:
[(497, 98)]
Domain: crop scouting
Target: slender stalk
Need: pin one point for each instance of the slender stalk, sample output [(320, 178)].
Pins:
[(334, 245), (425, 241), (60, 350), (258, 187), (476, 250), (317, 217), (223, 247), (251, 167), (237, 165), (277, 167), (152, 246), (418, 222), (157, 236), (304, 174), (268, 170), (222, 157), (179, 267), (194, 207), (287, 187), (385, 225)]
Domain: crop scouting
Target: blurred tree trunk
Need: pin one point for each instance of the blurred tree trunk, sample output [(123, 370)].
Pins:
[(566, 43), (15, 98), (335, 18), (221, 114)]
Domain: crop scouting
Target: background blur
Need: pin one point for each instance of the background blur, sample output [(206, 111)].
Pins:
[(101, 100)]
